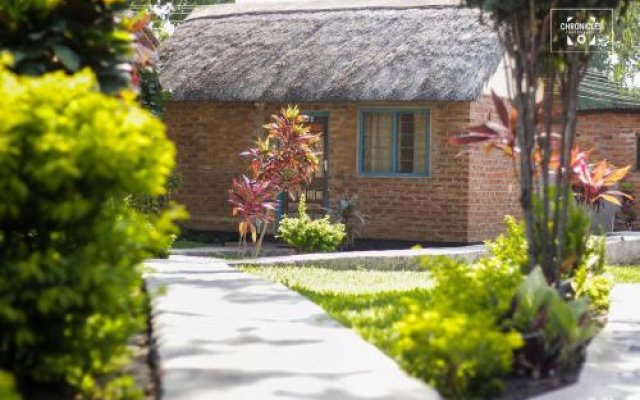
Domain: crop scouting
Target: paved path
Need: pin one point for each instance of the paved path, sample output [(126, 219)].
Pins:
[(228, 335), (612, 370)]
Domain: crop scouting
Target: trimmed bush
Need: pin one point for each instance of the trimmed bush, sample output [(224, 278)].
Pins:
[(70, 246), (311, 235)]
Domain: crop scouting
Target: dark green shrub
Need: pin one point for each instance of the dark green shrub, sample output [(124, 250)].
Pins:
[(348, 213), (70, 246), (557, 330), (152, 95), (68, 35), (310, 235)]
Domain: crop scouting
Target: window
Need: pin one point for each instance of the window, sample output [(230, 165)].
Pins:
[(394, 142)]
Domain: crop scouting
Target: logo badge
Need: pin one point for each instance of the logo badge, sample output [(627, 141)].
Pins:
[(581, 30)]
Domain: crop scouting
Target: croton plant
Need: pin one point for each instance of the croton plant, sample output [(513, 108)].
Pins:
[(285, 160), (592, 183)]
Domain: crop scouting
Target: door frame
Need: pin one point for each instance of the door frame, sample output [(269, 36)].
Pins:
[(325, 153)]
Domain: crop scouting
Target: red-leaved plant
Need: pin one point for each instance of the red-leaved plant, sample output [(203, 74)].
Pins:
[(498, 135), (592, 184), (145, 44), (287, 157), (253, 202), (284, 161)]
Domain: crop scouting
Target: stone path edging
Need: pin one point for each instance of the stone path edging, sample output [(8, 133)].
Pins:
[(377, 259), (621, 250)]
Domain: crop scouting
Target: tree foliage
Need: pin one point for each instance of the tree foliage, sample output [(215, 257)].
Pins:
[(68, 35), (623, 64)]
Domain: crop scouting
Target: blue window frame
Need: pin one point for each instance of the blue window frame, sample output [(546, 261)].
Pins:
[(393, 142)]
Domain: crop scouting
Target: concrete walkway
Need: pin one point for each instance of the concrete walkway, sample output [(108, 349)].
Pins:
[(223, 334), (612, 370)]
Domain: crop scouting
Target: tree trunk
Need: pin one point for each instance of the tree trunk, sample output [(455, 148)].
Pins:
[(258, 248)]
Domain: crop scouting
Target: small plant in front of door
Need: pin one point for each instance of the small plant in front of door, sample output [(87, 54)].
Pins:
[(285, 160), (311, 235)]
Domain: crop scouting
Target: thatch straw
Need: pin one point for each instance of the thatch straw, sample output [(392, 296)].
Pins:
[(361, 51)]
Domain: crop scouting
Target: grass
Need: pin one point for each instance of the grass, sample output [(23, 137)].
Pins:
[(625, 274), (370, 302)]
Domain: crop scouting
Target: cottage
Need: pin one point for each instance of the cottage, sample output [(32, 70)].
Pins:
[(386, 82)]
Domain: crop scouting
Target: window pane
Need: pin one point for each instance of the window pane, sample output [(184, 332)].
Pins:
[(420, 155), (412, 143), (378, 136), (406, 139)]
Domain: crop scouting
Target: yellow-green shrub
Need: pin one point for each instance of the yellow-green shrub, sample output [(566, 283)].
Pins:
[(595, 287), (511, 247), (485, 286), (461, 354), (7, 387), (458, 342), (585, 276), (70, 247), (311, 235)]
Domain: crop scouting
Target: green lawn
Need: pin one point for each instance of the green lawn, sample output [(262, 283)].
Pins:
[(369, 302), (372, 301), (625, 274)]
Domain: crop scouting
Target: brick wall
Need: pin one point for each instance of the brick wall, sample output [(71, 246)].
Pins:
[(425, 209), (493, 188), (210, 135), (612, 135), (208, 138)]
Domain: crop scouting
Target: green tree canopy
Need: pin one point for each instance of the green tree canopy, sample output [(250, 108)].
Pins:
[(68, 35)]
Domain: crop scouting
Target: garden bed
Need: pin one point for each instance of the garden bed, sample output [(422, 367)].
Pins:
[(373, 302)]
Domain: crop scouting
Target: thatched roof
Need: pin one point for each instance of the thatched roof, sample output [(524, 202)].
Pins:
[(331, 51)]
